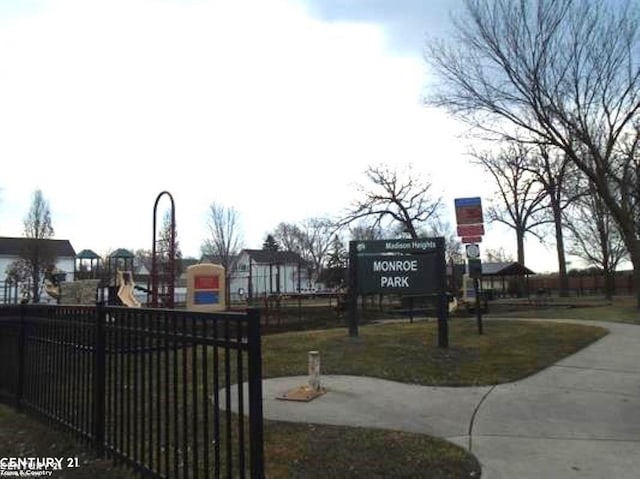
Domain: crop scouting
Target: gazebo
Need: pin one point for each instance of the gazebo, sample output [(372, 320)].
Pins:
[(499, 277), (87, 265), (121, 259)]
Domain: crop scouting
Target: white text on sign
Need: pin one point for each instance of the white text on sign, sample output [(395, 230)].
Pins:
[(395, 265), (394, 281), (390, 266)]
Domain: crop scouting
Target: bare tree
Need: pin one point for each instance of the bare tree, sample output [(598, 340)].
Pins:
[(497, 255), (141, 257), (163, 249), (225, 240), (311, 239), (594, 236), (37, 252), (402, 197), (317, 235), (37, 224), (627, 182), (364, 231), (18, 271), (557, 175), (289, 237), (452, 245), (563, 71), (520, 199)]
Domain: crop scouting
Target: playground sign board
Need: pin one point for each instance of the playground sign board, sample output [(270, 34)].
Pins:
[(206, 287), (206, 290)]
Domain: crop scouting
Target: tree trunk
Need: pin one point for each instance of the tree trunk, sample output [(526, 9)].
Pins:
[(563, 279), (35, 287), (411, 230), (634, 252), (520, 286), (609, 280), (520, 245), (633, 246), (608, 274)]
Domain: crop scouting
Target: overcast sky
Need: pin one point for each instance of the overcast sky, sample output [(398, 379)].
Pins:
[(273, 107)]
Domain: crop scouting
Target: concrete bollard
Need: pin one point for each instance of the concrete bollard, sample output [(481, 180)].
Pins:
[(310, 391), (314, 370)]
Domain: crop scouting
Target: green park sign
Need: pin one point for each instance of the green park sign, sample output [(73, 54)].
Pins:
[(399, 266)]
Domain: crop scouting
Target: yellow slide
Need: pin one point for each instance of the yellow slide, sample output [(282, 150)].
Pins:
[(51, 289), (125, 290)]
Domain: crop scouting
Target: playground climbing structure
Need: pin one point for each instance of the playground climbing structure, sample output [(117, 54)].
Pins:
[(163, 260)]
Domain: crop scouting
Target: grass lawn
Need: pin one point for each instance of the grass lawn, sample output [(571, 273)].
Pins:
[(406, 352), (622, 309), (319, 452), (397, 351), (291, 451), (22, 436)]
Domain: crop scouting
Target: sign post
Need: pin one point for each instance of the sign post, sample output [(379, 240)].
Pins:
[(414, 266), (476, 286), (471, 228)]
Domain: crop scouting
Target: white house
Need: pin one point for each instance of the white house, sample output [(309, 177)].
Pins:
[(263, 272), (11, 249)]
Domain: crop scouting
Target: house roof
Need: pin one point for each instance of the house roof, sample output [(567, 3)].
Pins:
[(16, 246), (184, 263), (87, 254), (505, 269), (273, 257), (211, 258)]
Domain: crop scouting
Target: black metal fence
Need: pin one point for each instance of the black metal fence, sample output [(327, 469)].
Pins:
[(11, 291), (150, 388)]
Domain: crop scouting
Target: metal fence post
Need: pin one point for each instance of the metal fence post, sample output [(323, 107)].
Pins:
[(21, 368), (99, 379), (256, 444), (353, 290)]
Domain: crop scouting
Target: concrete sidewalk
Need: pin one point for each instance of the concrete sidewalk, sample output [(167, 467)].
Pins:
[(580, 418)]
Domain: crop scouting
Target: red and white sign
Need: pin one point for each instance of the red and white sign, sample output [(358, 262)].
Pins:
[(472, 239), (471, 230)]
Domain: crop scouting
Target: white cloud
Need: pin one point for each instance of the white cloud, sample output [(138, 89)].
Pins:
[(104, 104)]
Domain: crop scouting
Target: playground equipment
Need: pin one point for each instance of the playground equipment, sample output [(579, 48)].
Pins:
[(82, 291), (114, 280), (88, 265), (163, 283), (468, 299), (52, 281), (126, 287), (52, 289), (206, 288), (92, 280)]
